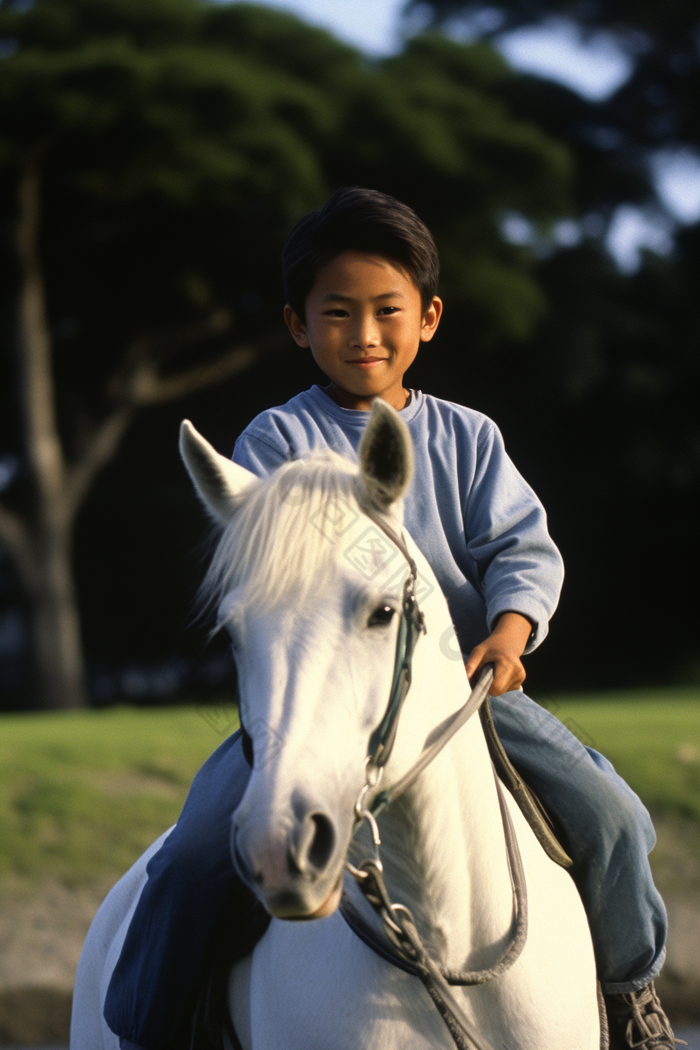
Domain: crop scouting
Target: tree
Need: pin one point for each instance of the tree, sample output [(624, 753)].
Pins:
[(113, 110), (603, 391), (654, 109), (156, 154)]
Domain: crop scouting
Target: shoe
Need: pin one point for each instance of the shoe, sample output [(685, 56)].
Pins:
[(637, 1021)]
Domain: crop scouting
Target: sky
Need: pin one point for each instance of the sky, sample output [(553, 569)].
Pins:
[(371, 25), (594, 68)]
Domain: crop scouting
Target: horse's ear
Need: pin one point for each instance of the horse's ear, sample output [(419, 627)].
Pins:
[(218, 480), (386, 456)]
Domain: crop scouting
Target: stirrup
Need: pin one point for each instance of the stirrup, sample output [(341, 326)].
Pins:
[(637, 1021)]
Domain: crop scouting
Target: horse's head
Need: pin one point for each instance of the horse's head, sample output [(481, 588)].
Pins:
[(309, 587)]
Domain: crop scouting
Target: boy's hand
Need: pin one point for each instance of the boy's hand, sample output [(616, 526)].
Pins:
[(503, 648)]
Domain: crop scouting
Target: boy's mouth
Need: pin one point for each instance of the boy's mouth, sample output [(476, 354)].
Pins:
[(365, 362)]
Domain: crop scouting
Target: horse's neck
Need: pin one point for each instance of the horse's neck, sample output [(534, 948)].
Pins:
[(443, 844)]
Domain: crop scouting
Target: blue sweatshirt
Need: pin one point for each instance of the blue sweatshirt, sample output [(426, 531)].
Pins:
[(476, 520)]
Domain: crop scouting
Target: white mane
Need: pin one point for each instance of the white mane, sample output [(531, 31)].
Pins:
[(280, 540)]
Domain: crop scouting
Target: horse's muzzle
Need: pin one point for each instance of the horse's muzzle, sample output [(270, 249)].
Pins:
[(294, 875)]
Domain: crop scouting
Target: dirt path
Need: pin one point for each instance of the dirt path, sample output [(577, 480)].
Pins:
[(41, 937)]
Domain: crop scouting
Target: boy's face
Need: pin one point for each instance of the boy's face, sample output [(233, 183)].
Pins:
[(364, 324)]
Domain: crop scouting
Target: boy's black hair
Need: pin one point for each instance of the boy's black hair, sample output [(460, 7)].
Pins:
[(362, 220)]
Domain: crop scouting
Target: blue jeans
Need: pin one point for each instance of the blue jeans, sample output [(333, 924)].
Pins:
[(608, 836), (192, 883), (192, 891)]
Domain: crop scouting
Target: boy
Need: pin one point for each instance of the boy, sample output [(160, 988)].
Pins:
[(360, 282)]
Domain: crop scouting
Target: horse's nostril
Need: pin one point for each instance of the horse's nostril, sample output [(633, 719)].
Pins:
[(321, 848), (313, 848)]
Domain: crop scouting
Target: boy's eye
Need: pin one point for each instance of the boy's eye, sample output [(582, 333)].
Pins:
[(336, 312), (388, 310)]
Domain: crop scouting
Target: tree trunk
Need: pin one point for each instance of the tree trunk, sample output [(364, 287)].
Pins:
[(56, 643), (40, 542), (57, 648)]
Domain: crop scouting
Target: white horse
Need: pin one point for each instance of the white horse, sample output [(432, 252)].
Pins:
[(310, 586)]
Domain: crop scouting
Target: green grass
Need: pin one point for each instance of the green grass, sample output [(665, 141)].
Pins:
[(652, 738), (82, 795)]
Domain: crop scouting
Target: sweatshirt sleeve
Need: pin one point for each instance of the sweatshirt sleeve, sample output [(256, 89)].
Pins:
[(261, 452), (518, 564)]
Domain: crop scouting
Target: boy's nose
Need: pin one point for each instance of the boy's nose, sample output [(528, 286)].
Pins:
[(365, 335)]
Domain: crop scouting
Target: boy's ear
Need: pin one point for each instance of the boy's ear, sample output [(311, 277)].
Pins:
[(296, 326), (431, 319), (386, 456)]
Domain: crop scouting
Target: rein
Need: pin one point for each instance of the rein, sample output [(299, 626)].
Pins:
[(404, 947)]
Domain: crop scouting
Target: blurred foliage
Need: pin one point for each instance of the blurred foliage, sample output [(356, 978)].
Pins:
[(179, 139), (657, 103), (613, 138), (176, 143), (598, 406)]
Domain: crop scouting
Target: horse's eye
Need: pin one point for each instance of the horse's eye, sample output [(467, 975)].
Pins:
[(381, 616)]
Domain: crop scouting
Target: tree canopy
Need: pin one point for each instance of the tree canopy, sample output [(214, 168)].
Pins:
[(152, 159), (654, 109), (612, 365)]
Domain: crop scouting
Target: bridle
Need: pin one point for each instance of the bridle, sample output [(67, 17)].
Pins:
[(403, 946), (411, 626)]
